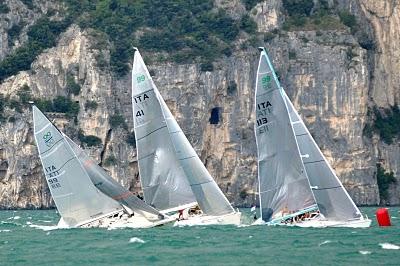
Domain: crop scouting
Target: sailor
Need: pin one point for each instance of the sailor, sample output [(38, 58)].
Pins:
[(180, 217)]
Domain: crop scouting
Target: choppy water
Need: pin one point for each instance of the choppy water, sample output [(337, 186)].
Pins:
[(22, 244)]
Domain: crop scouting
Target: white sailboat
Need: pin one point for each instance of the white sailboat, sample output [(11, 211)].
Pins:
[(69, 175), (297, 186), (172, 175)]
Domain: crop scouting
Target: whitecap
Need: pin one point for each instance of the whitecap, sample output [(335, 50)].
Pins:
[(250, 236), (16, 217), (364, 252), (324, 243), (5, 230), (45, 227), (136, 240), (388, 246), (28, 223)]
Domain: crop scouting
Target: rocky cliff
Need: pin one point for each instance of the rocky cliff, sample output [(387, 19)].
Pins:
[(332, 80)]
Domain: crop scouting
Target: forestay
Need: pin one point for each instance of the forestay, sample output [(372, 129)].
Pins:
[(283, 184), (163, 180), (106, 184), (77, 199), (332, 199)]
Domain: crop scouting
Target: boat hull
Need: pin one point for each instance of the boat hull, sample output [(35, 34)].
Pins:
[(362, 223), (319, 223), (228, 219)]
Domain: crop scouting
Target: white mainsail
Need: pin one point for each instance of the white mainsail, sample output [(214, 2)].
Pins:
[(332, 198), (168, 164), (163, 180), (288, 155), (106, 184), (283, 183), (77, 199)]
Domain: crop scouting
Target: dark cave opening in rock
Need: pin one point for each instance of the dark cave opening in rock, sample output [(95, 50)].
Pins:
[(215, 116)]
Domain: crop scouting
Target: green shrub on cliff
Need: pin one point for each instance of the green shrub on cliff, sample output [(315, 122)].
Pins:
[(4, 8), (384, 179)]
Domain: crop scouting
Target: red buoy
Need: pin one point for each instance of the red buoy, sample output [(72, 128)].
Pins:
[(383, 217)]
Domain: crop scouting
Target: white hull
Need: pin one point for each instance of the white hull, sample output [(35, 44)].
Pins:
[(362, 223), (110, 222), (319, 223), (231, 218)]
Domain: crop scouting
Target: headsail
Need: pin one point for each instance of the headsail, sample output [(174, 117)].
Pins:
[(77, 199), (108, 185), (333, 200), (283, 183), (163, 179), (209, 197)]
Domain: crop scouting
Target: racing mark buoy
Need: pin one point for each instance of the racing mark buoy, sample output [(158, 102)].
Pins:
[(383, 217)]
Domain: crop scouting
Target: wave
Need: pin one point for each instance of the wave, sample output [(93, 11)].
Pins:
[(136, 240), (364, 252), (388, 246)]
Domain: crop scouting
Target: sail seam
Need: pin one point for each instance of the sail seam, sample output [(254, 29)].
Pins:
[(187, 158), (327, 188), (62, 166), (142, 93), (301, 135), (148, 155), (51, 146), (151, 133), (202, 183)]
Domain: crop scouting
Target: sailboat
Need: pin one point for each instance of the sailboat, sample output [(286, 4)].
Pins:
[(172, 175), (70, 175), (297, 186)]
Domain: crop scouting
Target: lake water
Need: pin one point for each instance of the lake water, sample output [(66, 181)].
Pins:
[(22, 244)]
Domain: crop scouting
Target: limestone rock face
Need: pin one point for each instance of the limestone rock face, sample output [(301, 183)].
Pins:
[(331, 90)]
